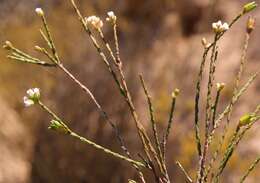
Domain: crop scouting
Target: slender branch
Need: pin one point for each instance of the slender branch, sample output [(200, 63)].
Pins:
[(102, 112), (197, 99), (198, 84), (89, 142), (238, 78), (49, 38), (141, 131), (25, 60), (170, 121), (152, 120), (184, 172), (215, 106), (213, 59), (56, 60), (250, 169), (124, 90), (235, 99), (236, 138), (116, 44)]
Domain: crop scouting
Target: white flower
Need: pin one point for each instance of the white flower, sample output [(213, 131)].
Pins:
[(33, 96), (111, 17), (95, 21), (27, 102), (39, 11), (225, 26), (218, 27)]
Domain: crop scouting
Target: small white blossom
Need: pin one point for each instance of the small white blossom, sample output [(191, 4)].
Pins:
[(27, 102), (95, 21), (33, 96), (111, 17), (39, 11), (218, 27)]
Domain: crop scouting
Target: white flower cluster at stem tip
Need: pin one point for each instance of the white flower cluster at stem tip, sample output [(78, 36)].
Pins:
[(33, 96), (95, 21), (219, 27)]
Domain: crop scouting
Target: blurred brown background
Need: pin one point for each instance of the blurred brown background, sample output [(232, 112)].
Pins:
[(159, 38)]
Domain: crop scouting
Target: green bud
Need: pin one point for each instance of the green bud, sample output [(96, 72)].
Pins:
[(58, 126), (249, 7), (246, 119)]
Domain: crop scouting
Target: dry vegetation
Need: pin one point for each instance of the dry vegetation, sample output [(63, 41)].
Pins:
[(160, 39)]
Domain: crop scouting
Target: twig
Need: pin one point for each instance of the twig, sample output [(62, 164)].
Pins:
[(250, 169), (184, 172), (213, 59), (238, 78), (170, 121), (96, 146), (235, 99), (152, 120)]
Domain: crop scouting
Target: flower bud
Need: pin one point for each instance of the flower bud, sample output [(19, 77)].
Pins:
[(175, 93), (250, 25), (8, 45), (39, 12), (58, 126), (111, 17), (220, 86), (37, 48), (249, 7), (246, 119), (204, 42)]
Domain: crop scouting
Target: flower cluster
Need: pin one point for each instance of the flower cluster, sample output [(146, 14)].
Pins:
[(33, 96), (111, 17), (218, 27), (95, 21)]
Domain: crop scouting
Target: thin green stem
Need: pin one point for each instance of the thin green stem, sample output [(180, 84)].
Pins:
[(50, 39), (235, 99), (152, 119), (213, 59), (105, 150), (238, 78), (169, 126), (89, 142)]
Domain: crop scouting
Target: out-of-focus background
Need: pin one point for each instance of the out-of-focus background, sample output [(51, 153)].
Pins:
[(159, 38)]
